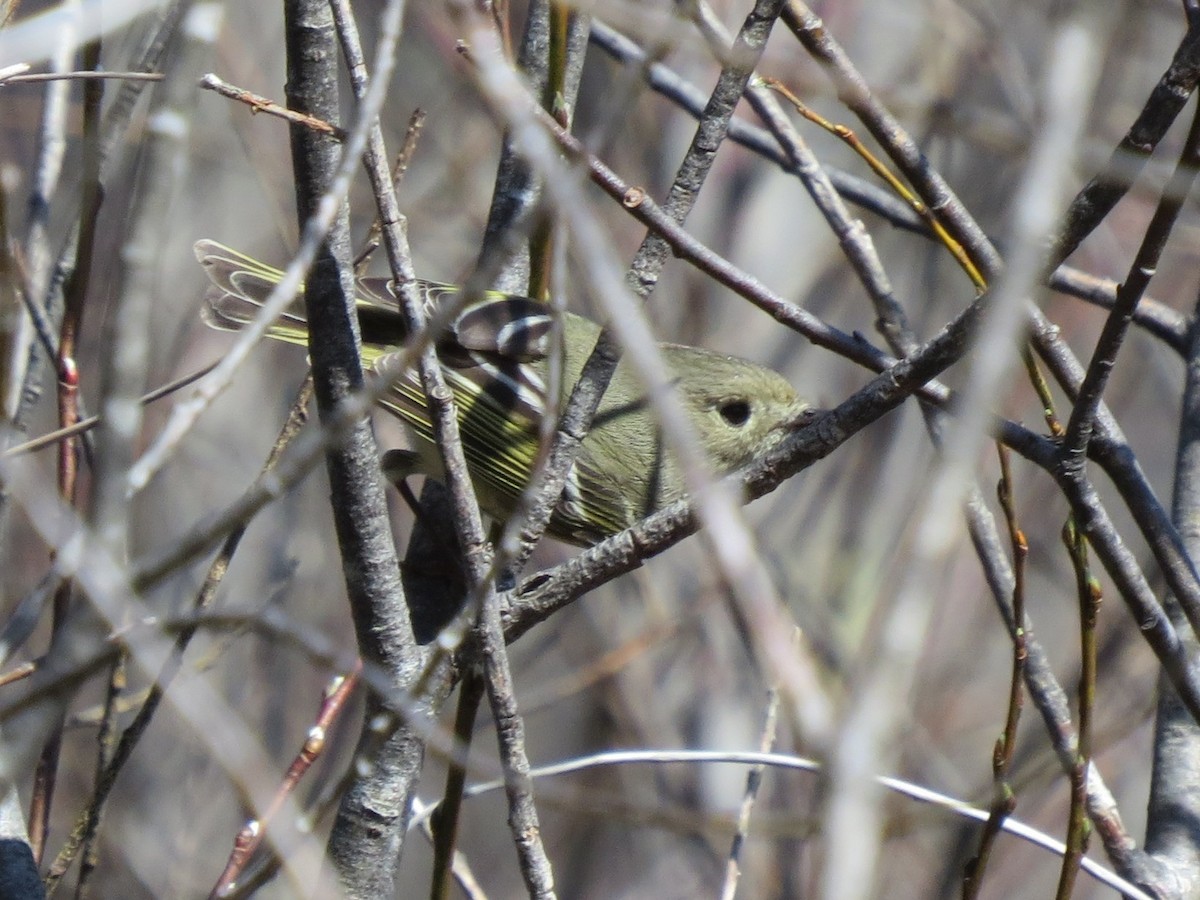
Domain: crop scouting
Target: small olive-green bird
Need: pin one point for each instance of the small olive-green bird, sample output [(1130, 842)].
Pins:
[(495, 361)]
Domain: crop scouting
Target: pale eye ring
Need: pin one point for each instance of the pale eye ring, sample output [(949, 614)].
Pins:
[(735, 412)]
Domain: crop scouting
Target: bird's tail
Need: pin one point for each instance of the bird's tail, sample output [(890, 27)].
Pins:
[(239, 286)]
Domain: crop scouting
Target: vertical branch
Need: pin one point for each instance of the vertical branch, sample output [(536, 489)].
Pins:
[(648, 262), (131, 736), (518, 192), (44, 275), (1088, 595), (561, 61), (1003, 800), (866, 742), (36, 240), (1030, 663), (1050, 700), (15, 327), (1129, 293), (126, 336), (68, 402), (1111, 449), (444, 823), (727, 536), (1171, 832), (369, 563), (1101, 194), (754, 777), (523, 819)]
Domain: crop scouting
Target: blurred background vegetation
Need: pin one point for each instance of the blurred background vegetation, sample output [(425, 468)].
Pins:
[(654, 659)]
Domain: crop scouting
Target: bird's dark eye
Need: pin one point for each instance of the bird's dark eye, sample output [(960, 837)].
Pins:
[(735, 412)]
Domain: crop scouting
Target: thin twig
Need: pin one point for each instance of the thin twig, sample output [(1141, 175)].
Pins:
[(1003, 800), (1112, 451), (125, 334), (444, 822), (1157, 318), (184, 415), (91, 422), (1141, 270), (754, 777), (1097, 199), (902, 788), (258, 103), (68, 409), (1088, 596), (412, 134), (251, 836), (204, 599), (104, 582), (40, 77), (523, 818)]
